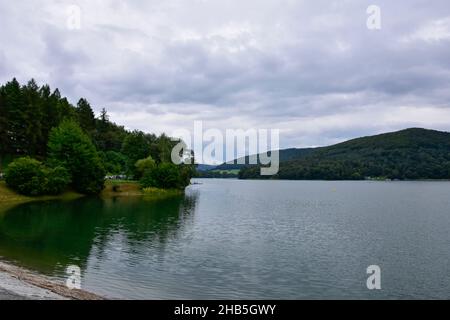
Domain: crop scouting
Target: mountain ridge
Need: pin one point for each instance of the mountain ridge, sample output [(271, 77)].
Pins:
[(413, 153)]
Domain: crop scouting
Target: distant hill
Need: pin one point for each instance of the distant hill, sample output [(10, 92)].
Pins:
[(407, 154), (231, 169), (205, 167), (285, 155)]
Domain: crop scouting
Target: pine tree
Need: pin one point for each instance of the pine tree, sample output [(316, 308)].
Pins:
[(4, 145), (33, 118), (16, 128), (86, 117), (104, 117)]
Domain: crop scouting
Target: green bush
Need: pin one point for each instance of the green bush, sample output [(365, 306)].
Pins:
[(26, 176), (144, 165), (57, 180), (148, 179), (30, 177), (166, 176), (186, 173)]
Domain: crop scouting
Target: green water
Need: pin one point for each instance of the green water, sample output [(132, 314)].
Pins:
[(244, 239)]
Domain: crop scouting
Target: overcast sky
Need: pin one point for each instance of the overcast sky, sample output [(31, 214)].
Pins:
[(310, 68)]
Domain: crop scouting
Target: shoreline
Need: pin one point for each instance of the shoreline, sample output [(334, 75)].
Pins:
[(17, 283), (10, 197), (112, 189)]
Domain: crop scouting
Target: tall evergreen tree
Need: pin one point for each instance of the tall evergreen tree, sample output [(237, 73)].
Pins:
[(86, 117), (4, 144), (32, 117), (16, 128), (104, 118)]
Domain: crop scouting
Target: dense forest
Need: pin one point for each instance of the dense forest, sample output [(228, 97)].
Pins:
[(46, 143), (408, 154)]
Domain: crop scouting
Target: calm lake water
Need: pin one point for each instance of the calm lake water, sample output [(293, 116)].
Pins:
[(232, 239)]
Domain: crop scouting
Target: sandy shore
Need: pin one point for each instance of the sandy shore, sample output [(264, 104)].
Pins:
[(19, 284)]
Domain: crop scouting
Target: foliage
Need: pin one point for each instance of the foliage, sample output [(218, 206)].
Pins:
[(164, 148), (71, 148), (56, 181), (30, 177), (25, 175), (86, 117), (167, 176), (135, 147), (144, 165), (29, 114), (187, 171), (114, 162)]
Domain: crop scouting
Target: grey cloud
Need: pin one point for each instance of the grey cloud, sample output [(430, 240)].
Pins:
[(312, 69)]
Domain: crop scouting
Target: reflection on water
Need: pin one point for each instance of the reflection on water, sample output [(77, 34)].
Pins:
[(49, 236)]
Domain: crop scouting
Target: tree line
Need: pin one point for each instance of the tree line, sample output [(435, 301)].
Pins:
[(53, 138)]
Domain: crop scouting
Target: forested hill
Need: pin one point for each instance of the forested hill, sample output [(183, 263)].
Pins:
[(284, 155), (407, 154)]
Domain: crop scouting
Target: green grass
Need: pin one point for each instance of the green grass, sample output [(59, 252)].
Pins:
[(8, 195), (126, 188), (155, 193), (113, 188)]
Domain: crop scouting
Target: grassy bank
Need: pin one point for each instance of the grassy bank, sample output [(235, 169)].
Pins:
[(155, 193), (119, 188), (10, 196), (113, 188)]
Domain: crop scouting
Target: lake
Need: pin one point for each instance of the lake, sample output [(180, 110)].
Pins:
[(234, 239)]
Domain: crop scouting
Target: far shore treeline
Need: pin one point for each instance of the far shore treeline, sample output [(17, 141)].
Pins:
[(47, 144)]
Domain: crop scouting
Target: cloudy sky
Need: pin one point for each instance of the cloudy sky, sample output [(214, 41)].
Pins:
[(310, 68)]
